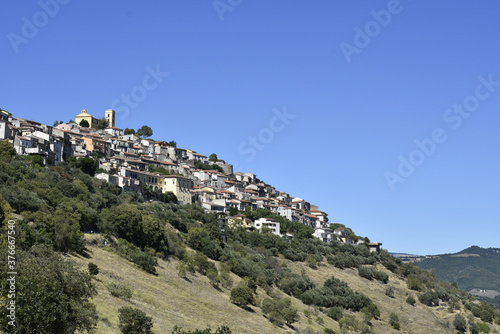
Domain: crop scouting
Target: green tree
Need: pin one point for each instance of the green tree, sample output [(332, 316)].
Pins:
[(52, 295), (168, 197), (144, 132), (125, 220), (242, 295), (87, 165), (129, 131), (102, 124), (460, 324), (213, 157), (233, 211), (134, 321), (7, 151), (172, 143), (93, 268), (84, 123)]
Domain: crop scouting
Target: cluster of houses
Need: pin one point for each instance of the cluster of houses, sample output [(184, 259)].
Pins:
[(131, 163)]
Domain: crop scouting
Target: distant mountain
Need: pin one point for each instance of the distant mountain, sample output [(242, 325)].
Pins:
[(474, 269)]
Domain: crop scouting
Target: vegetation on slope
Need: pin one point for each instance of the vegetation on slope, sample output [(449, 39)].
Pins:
[(471, 268), (260, 271)]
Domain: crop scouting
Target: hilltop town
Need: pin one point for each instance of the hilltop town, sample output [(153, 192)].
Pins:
[(135, 163)]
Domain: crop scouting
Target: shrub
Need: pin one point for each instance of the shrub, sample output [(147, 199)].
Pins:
[(381, 276), (280, 309), (146, 261), (429, 298), (483, 327), (134, 321), (414, 283), (474, 328), (119, 290), (335, 313), (242, 295), (220, 330), (366, 272), (410, 300), (389, 291), (276, 318), (394, 321), (213, 276), (225, 279), (93, 269), (460, 324), (371, 311)]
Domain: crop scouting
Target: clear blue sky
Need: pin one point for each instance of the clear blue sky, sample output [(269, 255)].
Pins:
[(361, 82)]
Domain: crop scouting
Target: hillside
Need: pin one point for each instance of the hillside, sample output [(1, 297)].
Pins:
[(474, 268), (193, 303), (178, 265)]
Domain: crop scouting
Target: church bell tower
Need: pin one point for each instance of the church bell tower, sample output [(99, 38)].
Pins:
[(110, 117)]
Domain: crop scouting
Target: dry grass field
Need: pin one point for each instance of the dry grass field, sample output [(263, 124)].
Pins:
[(193, 303)]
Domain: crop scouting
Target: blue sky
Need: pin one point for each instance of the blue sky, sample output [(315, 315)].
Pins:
[(383, 113)]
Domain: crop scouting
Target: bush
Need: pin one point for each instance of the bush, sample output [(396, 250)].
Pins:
[(335, 313), (381, 276), (474, 328), (242, 295), (280, 309), (484, 327), (134, 321), (93, 269), (371, 311), (366, 272), (414, 283), (276, 318), (394, 321), (146, 261), (410, 300), (389, 291), (220, 330), (119, 290), (460, 324), (429, 298)]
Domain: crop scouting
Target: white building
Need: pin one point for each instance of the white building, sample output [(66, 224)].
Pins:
[(324, 233), (271, 224)]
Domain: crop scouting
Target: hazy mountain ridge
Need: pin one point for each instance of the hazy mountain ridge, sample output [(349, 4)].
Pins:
[(471, 268)]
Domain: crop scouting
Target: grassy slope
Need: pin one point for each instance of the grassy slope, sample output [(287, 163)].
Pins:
[(192, 304)]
